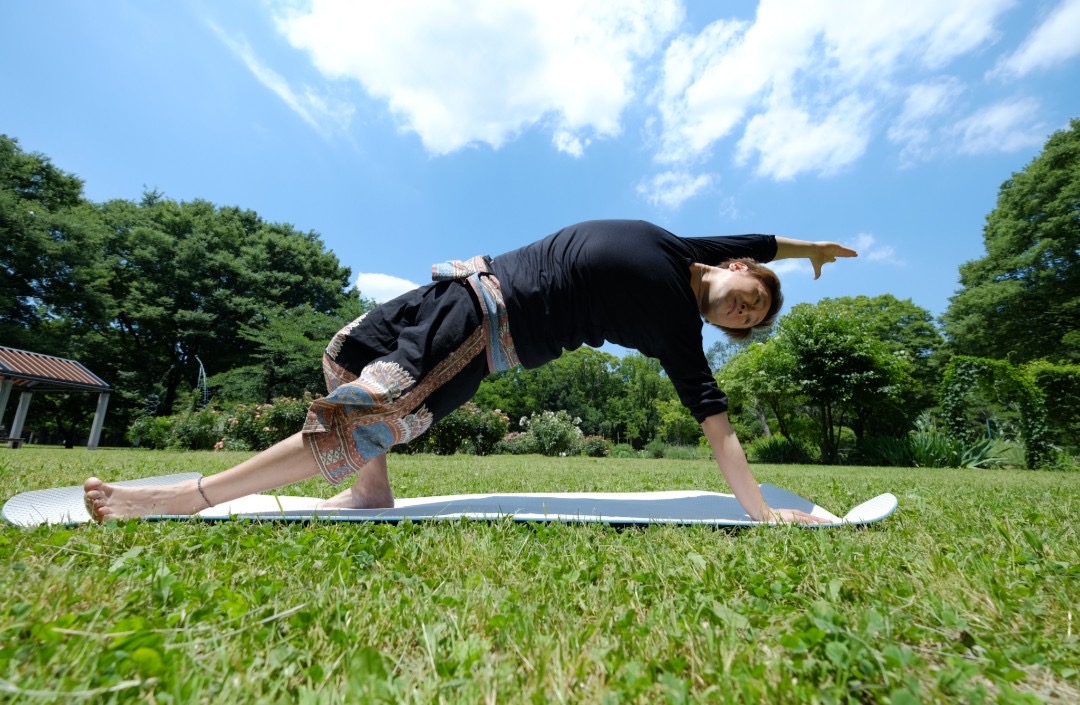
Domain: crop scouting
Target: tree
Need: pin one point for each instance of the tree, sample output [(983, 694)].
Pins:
[(190, 280), (37, 203), (582, 383), (907, 330), (824, 362), (677, 425), (287, 360), (1021, 301), (635, 416), (762, 377)]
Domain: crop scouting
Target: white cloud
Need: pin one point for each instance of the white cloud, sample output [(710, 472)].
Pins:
[(459, 72), (1054, 41), (788, 141), (804, 87), (322, 113), (1007, 126), (382, 287), (568, 143), (808, 79), (672, 189), (869, 249), (924, 105)]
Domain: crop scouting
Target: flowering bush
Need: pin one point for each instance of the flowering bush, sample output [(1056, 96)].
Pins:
[(259, 426), (593, 446), (191, 430), (553, 432), (243, 427), (517, 443)]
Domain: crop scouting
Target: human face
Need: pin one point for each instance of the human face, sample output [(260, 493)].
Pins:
[(734, 298)]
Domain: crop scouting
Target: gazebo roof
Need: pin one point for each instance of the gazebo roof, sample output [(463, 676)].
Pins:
[(45, 373)]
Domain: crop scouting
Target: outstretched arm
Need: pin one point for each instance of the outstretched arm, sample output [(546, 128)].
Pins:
[(819, 253), (729, 455)]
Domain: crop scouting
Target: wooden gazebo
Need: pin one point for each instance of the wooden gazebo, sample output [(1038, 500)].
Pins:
[(31, 372)]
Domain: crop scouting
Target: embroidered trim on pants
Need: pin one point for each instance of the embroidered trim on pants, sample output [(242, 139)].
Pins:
[(363, 417)]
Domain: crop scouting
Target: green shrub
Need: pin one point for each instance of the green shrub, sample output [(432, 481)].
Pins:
[(1064, 461), (593, 446), (931, 448), (153, 432), (196, 430), (681, 452), (655, 448), (623, 450), (467, 429), (886, 452), (190, 430), (776, 449), (259, 426), (517, 443)]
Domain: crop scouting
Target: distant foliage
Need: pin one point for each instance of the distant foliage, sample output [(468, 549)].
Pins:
[(259, 426), (1002, 383), (929, 447), (468, 429), (778, 450), (517, 443), (240, 427), (624, 450), (593, 447), (1060, 388)]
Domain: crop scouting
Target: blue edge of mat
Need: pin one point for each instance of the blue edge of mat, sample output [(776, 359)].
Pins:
[(701, 511)]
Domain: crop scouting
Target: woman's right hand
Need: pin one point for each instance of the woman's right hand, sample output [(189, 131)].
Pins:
[(825, 252), (795, 516)]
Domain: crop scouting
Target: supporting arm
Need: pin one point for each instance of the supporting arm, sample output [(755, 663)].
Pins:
[(736, 471)]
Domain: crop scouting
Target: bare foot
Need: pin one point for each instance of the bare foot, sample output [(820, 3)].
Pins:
[(104, 501), (353, 498)]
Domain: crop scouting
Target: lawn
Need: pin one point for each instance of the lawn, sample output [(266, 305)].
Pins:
[(966, 594)]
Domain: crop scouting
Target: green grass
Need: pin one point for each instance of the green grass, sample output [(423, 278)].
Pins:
[(965, 595)]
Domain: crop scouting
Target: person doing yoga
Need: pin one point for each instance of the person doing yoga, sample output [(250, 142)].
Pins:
[(409, 362)]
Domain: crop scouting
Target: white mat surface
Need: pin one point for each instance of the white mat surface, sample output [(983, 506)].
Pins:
[(64, 505)]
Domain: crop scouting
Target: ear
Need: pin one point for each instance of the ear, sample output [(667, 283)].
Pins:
[(737, 267)]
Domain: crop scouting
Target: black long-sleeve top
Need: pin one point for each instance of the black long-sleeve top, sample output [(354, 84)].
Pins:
[(625, 282)]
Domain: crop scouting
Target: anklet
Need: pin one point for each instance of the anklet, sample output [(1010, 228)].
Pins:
[(198, 486)]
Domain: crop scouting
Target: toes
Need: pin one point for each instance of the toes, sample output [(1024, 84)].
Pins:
[(94, 498)]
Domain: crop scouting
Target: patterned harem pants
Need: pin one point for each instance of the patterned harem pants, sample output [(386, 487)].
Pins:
[(393, 372)]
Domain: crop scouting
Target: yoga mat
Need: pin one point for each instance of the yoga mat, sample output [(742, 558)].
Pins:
[(64, 505)]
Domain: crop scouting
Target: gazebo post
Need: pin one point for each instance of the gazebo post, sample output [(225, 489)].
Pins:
[(5, 392), (20, 419), (99, 420)]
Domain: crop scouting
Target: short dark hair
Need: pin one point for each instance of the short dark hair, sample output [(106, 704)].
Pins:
[(776, 299)]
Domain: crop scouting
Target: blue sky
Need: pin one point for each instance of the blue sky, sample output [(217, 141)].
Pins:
[(415, 131)]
